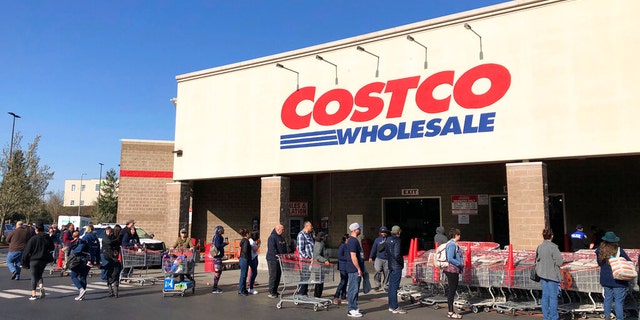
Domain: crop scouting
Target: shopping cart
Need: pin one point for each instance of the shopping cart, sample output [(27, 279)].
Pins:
[(296, 271), (132, 259), (178, 264)]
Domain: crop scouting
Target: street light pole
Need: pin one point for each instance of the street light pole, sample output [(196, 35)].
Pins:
[(80, 200), (100, 185), (12, 128)]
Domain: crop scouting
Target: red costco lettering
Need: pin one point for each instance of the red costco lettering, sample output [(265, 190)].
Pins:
[(367, 104)]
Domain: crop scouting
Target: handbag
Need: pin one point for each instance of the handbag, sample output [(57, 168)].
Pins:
[(621, 268), (213, 251), (534, 275)]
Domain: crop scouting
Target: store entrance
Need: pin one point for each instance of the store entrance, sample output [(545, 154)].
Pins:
[(417, 217), (500, 220)]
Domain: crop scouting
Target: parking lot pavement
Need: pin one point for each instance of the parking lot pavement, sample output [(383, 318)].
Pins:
[(147, 301)]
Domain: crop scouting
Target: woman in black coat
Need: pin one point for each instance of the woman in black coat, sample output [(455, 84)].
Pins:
[(36, 255), (110, 251)]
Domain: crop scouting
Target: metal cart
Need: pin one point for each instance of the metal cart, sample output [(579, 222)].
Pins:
[(296, 271), (178, 263), (132, 259)]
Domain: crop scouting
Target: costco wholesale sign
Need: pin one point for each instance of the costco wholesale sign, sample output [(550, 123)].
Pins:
[(531, 96), (366, 104)]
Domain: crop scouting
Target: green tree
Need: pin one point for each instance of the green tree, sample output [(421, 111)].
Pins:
[(106, 209), (24, 181)]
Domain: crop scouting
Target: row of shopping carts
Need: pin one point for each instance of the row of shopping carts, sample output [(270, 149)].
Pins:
[(499, 280)]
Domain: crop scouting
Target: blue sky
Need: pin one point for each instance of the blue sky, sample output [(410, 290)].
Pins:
[(85, 74)]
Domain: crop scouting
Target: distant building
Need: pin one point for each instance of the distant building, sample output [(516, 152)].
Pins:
[(72, 191)]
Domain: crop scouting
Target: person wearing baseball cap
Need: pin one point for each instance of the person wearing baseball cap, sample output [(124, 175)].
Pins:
[(355, 270), (379, 258)]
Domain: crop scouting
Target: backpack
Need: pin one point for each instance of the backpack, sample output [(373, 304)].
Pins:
[(441, 256)]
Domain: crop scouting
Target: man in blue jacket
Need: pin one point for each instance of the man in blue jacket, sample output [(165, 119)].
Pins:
[(275, 245), (396, 264), (379, 259), (579, 239)]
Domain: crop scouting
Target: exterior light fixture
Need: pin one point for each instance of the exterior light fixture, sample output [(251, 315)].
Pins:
[(333, 64), (468, 27), (377, 64), (410, 38), (296, 72), (178, 152)]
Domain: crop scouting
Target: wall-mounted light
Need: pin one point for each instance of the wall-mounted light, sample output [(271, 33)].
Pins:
[(333, 64), (410, 38), (468, 27), (377, 64), (296, 72), (178, 152)]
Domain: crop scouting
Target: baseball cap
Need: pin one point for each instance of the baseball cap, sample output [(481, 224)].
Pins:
[(579, 226), (384, 229), (183, 230), (354, 226), (396, 229)]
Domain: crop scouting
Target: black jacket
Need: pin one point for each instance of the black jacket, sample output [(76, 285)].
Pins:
[(38, 248), (110, 244), (275, 245), (394, 253)]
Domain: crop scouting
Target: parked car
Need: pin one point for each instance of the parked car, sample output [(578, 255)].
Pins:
[(8, 227), (146, 239)]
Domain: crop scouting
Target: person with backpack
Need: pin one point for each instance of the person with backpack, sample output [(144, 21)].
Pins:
[(217, 244), (79, 263), (379, 258), (453, 270)]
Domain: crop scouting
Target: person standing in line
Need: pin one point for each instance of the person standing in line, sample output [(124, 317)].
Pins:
[(254, 241), (245, 258), (17, 241), (54, 233), (320, 255), (219, 242), (614, 290), (440, 237), (37, 253), (453, 270), (275, 245), (547, 267), (579, 239), (378, 256), (182, 243), (67, 238), (305, 243), (126, 230), (112, 266), (355, 270), (396, 264), (341, 289)]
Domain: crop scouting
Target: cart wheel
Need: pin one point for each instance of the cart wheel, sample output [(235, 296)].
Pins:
[(182, 294), (500, 311), (403, 297), (315, 307), (474, 309), (295, 302), (487, 309), (279, 305), (193, 290), (583, 315), (412, 299), (513, 312), (436, 306)]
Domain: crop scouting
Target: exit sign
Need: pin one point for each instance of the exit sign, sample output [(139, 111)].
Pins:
[(410, 192)]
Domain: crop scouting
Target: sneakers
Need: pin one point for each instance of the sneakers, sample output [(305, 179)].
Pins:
[(398, 310), (243, 293), (13, 275), (354, 313), (17, 277), (42, 294), (336, 301), (33, 298), (253, 291), (216, 290), (80, 296), (272, 296)]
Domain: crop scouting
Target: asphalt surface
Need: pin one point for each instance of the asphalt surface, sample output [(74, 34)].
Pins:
[(146, 301)]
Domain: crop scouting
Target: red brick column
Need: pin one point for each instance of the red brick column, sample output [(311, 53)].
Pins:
[(528, 203), (274, 209)]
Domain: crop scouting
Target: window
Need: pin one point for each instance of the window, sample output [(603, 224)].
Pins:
[(82, 202), (83, 187), (73, 187), (97, 187), (72, 203)]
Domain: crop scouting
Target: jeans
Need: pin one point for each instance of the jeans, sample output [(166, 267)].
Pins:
[(615, 295), (79, 279), (305, 274), (381, 277), (352, 291), (550, 291), (244, 268), (14, 259), (254, 272), (341, 290), (275, 274), (394, 284)]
